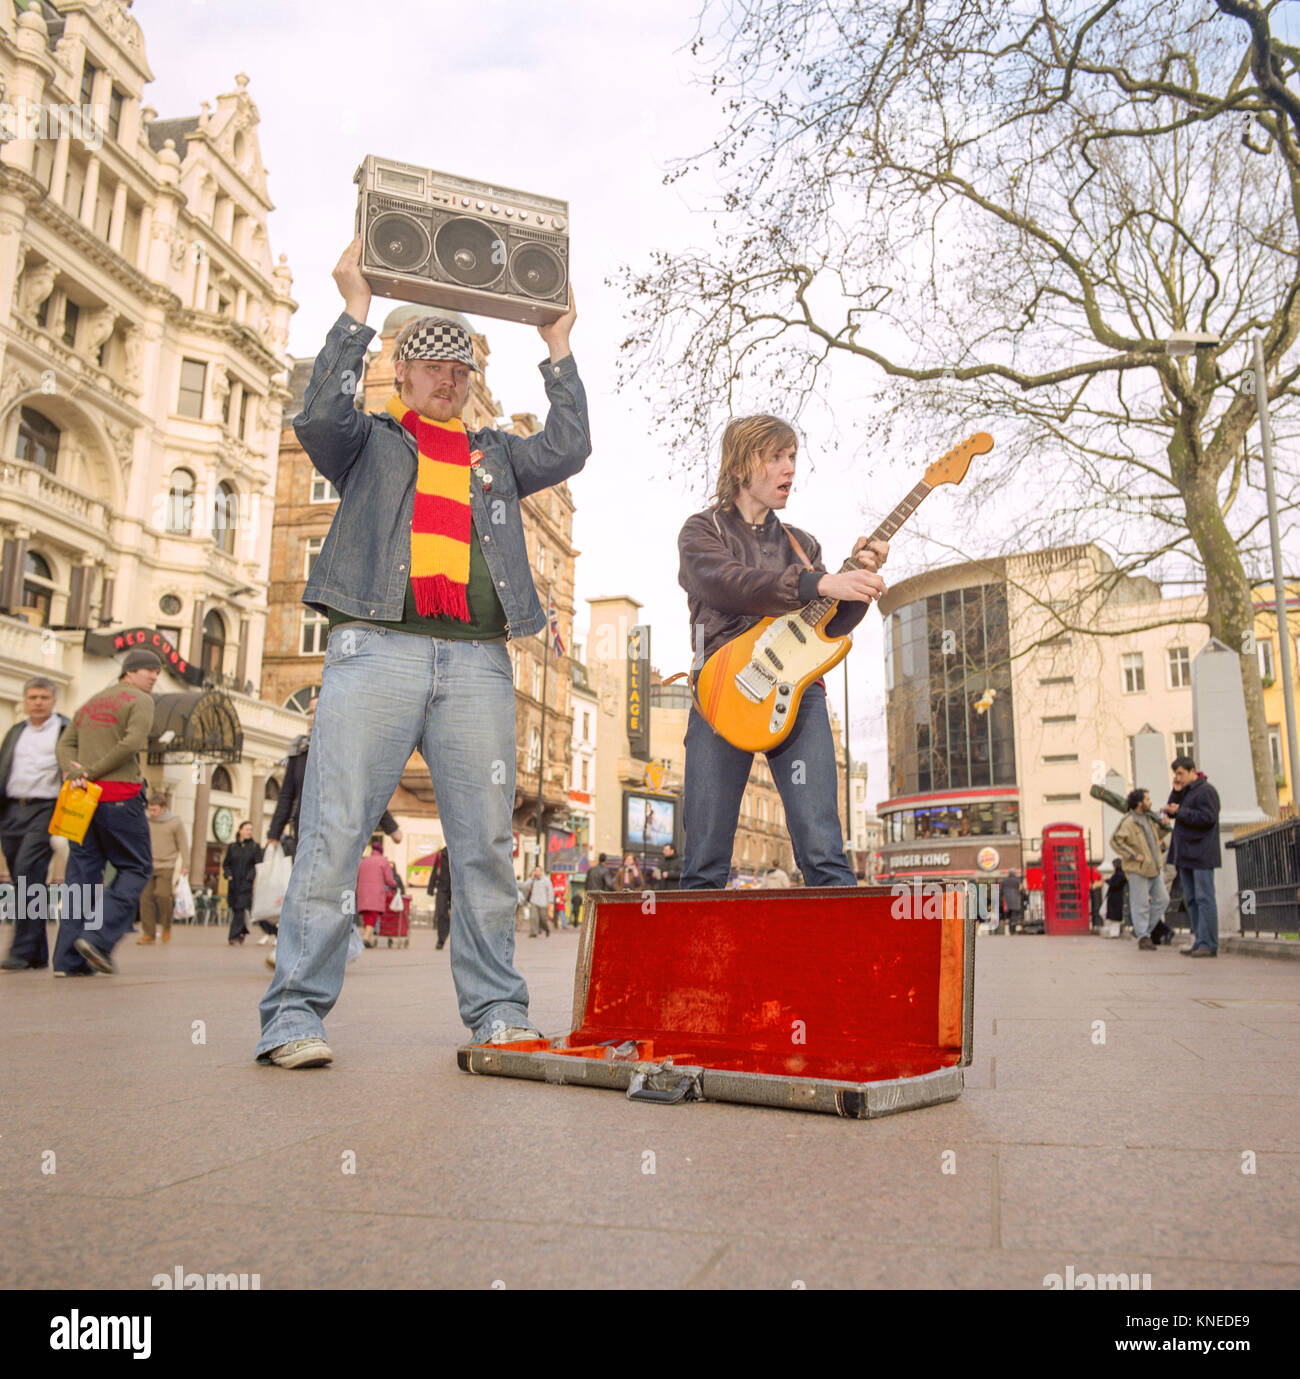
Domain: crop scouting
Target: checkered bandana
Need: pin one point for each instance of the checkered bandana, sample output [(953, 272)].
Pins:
[(438, 338)]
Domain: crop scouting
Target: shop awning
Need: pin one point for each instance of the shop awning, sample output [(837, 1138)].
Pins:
[(201, 724)]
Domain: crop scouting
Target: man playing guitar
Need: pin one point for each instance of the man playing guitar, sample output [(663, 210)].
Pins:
[(740, 564)]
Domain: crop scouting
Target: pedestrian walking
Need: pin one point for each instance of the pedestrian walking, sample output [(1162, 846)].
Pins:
[(376, 881), (29, 787), (776, 879), (1116, 886), (1141, 847), (1010, 901), (541, 896), (599, 877), (239, 867), (670, 869), (440, 889), (170, 844), (1193, 805), (103, 744)]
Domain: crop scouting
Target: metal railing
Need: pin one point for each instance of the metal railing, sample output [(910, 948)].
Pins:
[(1268, 878)]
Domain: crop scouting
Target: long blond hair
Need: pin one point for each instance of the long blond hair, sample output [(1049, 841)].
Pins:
[(746, 443)]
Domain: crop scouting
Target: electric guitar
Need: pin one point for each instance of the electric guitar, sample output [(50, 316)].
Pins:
[(749, 689)]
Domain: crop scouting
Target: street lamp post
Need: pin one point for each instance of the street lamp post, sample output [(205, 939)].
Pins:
[(1279, 578)]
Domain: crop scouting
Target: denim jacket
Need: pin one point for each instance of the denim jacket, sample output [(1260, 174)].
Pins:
[(364, 564)]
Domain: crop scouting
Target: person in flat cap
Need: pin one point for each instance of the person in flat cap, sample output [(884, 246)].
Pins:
[(103, 744), (424, 577)]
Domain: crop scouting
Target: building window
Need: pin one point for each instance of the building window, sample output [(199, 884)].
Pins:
[(1060, 799), (301, 699), (584, 785), (1068, 756), (1275, 751), (1184, 744), (311, 550), (180, 503), (322, 491), (1057, 680), (194, 378), (537, 681), (1135, 681), (315, 632), (586, 726), (1265, 647), (272, 792), (1060, 718), (221, 780), (38, 585), (38, 439), (71, 315), (534, 750), (114, 113), (88, 74), (225, 516), (243, 415), (213, 653), (1180, 667)]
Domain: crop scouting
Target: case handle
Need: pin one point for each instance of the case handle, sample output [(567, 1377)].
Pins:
[(685, 1089)]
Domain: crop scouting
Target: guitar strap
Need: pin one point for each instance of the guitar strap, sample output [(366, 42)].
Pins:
[(798, 549)]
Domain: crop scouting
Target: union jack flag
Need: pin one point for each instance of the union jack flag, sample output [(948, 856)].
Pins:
[(556, 639)]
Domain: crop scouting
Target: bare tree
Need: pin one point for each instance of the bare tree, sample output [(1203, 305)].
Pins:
[(1003, 211)]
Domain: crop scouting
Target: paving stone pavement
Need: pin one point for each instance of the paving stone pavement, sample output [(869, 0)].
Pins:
[(170, 1147)]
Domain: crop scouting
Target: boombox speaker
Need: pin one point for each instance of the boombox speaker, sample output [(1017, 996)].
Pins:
[(444, 241)]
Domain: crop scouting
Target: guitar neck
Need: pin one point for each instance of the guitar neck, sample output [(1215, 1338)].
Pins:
[(814, 612)]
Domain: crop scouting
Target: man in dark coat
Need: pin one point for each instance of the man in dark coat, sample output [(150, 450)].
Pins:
[(1194, 807), (1010, 902), (29, 786), (240, 869), (1116, 884), (598, 877), (440, 889), (289, 804)]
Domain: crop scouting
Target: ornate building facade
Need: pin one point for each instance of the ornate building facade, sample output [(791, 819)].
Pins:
[(143, 324)]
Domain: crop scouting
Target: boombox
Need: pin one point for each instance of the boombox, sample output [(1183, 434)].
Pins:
[(444, 241)]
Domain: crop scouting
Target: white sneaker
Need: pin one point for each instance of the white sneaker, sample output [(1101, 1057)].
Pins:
[(302, 1053), (516, 1034), (265, 939)]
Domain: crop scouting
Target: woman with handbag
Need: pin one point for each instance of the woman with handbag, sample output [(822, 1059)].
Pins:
[(239, 867)]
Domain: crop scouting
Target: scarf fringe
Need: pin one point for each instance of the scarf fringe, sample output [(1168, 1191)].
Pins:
[(436, 596)]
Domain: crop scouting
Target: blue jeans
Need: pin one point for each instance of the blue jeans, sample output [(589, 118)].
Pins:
[(1147, 900), (803, 767), (1202, 908), (118, 833), (384, 694)]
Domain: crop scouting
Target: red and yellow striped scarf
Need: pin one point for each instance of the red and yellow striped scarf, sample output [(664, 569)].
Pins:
[(441, 522)]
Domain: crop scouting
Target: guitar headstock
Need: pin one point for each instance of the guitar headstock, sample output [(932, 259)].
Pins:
[(951, 468)]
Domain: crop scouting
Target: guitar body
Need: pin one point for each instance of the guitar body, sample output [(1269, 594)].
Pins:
[(750, 689)]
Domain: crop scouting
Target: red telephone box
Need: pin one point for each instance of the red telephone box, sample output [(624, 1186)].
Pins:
[(1065, 880)]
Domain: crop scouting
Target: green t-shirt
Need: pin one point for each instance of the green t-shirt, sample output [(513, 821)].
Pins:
[(487, 619)]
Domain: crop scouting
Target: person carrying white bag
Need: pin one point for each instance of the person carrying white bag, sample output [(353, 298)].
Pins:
[(182, 901), (270, 881)]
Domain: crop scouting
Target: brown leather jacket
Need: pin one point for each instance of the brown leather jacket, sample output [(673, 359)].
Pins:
[(735, 574)]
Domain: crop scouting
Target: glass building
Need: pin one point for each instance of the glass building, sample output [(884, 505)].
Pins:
[(954, 806)]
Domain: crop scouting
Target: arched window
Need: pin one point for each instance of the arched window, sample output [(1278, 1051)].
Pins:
[(180, 503), (214, 645), (225, 516), (221, 780), (300, 700), (38, 585), (272, 792), (38, 439)]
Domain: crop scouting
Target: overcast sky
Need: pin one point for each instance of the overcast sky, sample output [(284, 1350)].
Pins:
[(588, 101)]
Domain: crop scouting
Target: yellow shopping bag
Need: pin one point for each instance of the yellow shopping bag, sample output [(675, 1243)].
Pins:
[(73, 809)]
